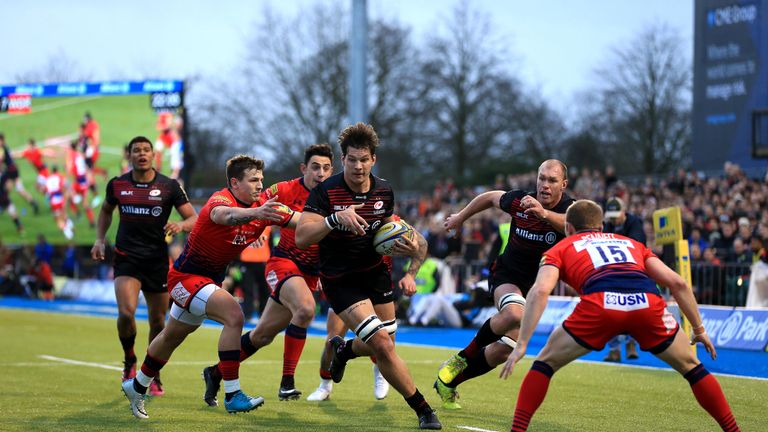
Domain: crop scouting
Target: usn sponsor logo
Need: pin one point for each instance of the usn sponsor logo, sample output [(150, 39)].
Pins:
[(625, 302)]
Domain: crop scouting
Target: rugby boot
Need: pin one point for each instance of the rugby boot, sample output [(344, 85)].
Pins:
[(447, 395), (212, 386), (288, 389), (428, 420), (129, 370), (380, 384), (156, 387), (452, 368), (323, 391), (337, 364), (241, 402), (136, 399)]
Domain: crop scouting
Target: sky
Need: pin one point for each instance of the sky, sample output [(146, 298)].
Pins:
[(556, 44)]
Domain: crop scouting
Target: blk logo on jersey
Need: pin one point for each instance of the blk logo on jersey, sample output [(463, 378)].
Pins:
[(625, 302)]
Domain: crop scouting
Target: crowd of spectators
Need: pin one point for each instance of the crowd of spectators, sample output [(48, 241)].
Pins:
[(725, 217)]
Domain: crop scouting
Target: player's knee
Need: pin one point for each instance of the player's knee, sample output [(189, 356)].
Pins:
[(234, 317), (369, 328), (511, 299), (390, 327), (304, 315), (382, 345), (125, 313)]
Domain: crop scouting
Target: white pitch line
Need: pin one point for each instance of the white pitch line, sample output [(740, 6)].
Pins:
[(80, 363), (475, 429)]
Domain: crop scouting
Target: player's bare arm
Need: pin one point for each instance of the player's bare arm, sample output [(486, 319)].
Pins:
[(536, 302), (683, 294), (189, 216), (224, 215), (417, 250), (310, 230), (533, 207), (479, 203), (102, 226)]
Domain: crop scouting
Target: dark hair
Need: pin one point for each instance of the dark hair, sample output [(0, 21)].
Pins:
[(318, 150), (359, 136), (238, 165), (31, 141), (139, 139), (585, 215)]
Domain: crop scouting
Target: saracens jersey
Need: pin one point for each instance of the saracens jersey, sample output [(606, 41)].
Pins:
[(594, 262), (529, 236), (144, 210), (341, 251), (211, 246), (293, 193)]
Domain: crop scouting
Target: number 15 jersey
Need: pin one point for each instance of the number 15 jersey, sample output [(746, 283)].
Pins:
[(594, 262)]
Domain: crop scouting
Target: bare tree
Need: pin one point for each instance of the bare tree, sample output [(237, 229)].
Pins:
[(643, 102), (480, 117)]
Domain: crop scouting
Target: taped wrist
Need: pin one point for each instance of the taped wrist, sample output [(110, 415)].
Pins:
[(332, 221)]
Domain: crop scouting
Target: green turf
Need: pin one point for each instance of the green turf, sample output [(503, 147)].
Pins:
[(120, 118), (42, 395)]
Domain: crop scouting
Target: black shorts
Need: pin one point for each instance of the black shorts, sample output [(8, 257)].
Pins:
[(501, 275), (152, 273), (344, 291)]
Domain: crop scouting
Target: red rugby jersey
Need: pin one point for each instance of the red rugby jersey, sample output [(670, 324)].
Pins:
[(293, 193), (595, 261), (211, 246)]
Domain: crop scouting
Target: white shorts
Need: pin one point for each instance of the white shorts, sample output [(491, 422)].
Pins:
[(195, 312)]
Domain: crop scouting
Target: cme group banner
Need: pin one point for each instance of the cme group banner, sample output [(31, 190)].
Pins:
[(93, 88), (730, 80)]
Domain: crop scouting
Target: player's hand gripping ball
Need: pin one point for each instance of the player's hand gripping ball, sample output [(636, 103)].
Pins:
[(387, 235)]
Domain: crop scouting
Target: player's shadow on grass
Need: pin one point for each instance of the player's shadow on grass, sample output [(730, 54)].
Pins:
[(114, 414)]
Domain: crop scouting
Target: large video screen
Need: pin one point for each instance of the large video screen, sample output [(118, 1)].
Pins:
[(64, 141), (730, 81)]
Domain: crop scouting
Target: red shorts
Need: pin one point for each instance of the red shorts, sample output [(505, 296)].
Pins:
[(279, 270), (183, 286), (602, 315)]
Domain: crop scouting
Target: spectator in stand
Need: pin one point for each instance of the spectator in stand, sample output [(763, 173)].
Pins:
[(43, 249), (739, 254), (727, 234), (745, 230)]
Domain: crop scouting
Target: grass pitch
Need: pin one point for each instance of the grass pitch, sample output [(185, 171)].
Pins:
[(47, 394)]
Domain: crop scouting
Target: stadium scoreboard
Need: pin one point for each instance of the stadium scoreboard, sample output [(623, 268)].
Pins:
[(730, 84)]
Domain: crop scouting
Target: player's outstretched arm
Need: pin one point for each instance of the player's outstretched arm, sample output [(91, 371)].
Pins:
[(683, 294), (479, 203), (225, 215), (102, 226), (535, 303)]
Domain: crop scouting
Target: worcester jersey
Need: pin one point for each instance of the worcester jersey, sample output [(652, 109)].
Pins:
[(341, 251), (293, 193), (529, 237), (211, 246), (594, 262), (144, 210)]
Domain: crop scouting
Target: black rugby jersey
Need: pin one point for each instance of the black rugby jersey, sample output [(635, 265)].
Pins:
[(343, 252), (529, 237), (144, 210)]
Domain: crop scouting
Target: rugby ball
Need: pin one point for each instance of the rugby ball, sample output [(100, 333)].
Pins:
[(384, 240)]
